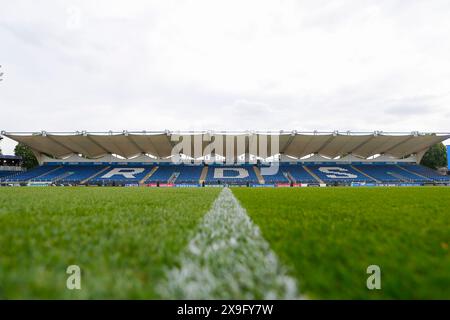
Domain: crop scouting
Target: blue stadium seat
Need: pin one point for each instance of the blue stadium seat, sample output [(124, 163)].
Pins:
[(26, 176), (279, 177), (76, 175), (69, 174), (163, 174), (299, 174), (289, 172), (189, 174), (177, 174), (5, 174), (389, 173), (431, 174)]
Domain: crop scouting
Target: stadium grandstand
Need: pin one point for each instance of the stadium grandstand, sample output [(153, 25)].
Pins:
[(282, 158), (10, 165)]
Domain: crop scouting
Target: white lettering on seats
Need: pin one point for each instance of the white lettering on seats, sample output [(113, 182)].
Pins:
[(128, 173), (337, 173), (240, 173)]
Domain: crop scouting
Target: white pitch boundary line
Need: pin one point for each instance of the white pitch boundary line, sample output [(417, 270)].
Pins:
[(228, 259)]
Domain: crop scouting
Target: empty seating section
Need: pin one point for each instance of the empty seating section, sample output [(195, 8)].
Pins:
[(25, 176), (299, 174), (177, 174), (189, 174), (389, 173), (4, 174), (69, 174), (237, 175), (49, 176), (426, 172), (409, 176), (380, 172), (338, 173), (186, 174), (161, 175), (77, 174), (278, 177)]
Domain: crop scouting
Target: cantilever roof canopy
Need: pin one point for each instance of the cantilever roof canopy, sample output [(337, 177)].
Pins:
[(264, 144)]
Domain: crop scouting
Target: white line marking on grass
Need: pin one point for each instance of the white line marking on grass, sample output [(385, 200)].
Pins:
[(228, 259)]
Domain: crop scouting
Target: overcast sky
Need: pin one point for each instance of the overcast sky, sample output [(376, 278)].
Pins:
[(224, 65)]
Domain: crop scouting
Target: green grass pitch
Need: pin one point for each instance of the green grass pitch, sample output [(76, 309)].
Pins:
[(328, 237), (124, 238)]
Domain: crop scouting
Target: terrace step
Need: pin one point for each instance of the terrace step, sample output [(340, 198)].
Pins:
[(203, 175), (312, 174), (173, 177), (258, 175), (290, 177), (148, 175), (365, 174), (95, 175)]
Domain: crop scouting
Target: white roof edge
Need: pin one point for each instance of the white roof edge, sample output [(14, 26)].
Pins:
[(181, 132)]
